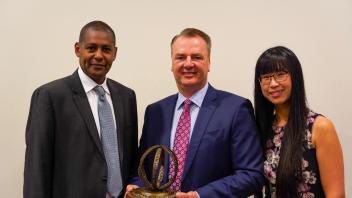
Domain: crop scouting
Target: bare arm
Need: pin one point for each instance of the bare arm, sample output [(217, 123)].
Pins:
[(329, 156)]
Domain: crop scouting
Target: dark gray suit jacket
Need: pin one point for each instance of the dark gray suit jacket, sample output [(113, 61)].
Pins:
[(64, 156)]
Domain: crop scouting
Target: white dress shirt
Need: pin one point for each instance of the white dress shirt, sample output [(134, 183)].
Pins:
[(88, 86)]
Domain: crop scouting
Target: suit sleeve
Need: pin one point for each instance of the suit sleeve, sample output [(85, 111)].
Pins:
[(246, 158), (39, 147)]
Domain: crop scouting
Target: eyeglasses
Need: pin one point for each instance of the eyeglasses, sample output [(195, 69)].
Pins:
[(278, 76)]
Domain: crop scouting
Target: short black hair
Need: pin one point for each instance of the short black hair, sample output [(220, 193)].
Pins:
[(97, 26)]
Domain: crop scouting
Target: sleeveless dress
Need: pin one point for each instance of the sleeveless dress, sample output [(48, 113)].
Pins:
[(311, 186)]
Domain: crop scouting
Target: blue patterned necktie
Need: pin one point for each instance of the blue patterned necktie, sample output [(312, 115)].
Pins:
[(109, 142)]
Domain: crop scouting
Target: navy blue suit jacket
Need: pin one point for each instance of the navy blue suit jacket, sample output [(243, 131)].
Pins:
[(224, 157)]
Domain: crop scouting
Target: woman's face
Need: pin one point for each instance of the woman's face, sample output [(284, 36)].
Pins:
[(276, 87)]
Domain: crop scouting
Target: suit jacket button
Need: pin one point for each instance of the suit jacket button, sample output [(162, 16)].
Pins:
[(104, 178)]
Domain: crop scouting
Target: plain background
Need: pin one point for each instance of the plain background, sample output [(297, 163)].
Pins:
[(37, 39)]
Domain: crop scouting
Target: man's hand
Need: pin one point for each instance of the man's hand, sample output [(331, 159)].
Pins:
[(129, 188), (190, 194)]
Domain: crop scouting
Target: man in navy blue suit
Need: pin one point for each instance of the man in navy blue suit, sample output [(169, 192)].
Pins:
[(223, 157)]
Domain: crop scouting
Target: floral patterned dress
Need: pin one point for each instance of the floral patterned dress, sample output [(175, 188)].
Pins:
[(311, 187)]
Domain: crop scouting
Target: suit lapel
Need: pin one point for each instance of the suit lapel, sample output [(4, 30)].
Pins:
[(168, 114), (205, 113), (81, 101)]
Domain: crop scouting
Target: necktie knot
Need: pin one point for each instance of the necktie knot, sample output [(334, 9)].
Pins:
[(187, 104), (100, 91)]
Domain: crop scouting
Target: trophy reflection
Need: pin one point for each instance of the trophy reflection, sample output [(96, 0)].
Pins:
[(154, 187)]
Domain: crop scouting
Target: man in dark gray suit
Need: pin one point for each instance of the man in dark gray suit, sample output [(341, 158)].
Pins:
[(64, 154)]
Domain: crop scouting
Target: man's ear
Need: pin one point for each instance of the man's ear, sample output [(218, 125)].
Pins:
[(115, 55), (77, 49)]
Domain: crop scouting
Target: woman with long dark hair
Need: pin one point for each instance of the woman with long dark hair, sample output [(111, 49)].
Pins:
[(303, 156)]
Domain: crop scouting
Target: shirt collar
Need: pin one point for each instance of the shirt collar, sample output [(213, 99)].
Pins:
[(88, 83), (196, 98)]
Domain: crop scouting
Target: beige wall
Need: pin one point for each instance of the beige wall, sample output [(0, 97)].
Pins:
[(37, 37)]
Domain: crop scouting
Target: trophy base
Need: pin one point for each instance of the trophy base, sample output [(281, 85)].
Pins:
[(146, 193)]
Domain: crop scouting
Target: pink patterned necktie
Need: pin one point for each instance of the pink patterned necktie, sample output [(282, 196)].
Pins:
[(181, 143)]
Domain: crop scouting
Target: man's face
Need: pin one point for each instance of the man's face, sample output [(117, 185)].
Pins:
[(190, 64), (96, 54)]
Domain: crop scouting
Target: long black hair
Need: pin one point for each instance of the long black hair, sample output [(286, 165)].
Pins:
[(289, 173)]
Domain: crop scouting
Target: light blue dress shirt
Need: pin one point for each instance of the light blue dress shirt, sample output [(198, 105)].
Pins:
[(197, 100)]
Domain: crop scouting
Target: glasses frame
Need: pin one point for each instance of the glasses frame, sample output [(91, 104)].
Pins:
[(275, 76)]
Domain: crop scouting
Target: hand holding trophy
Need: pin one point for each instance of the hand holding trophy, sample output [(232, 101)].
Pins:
[(154, 188)]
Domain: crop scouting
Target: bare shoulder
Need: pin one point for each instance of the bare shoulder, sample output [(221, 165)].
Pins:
[(323, 124), (323, 130)]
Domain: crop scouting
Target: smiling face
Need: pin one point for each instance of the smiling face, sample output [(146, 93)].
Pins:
[(278, 93), (190, 64), (96, 53)]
